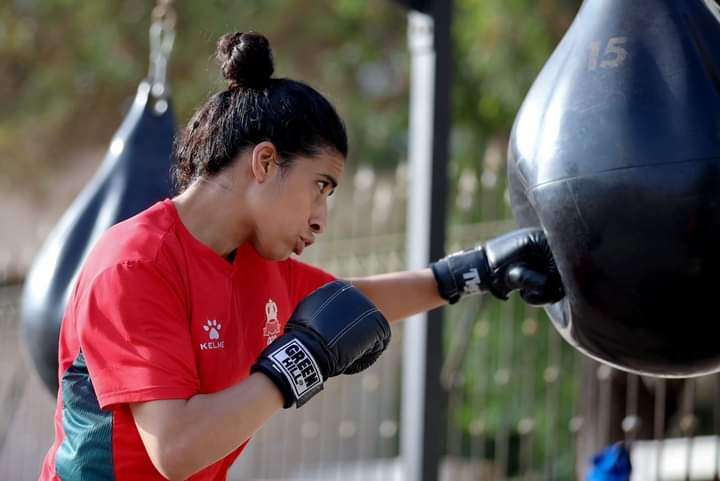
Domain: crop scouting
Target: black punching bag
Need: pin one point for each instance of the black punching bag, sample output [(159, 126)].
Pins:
[(616, 154), (134, 175)]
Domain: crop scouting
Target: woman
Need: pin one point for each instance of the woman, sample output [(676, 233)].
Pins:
[(186, 330)]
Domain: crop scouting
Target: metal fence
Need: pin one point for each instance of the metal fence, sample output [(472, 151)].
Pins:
[(26, 408), (522, 404)]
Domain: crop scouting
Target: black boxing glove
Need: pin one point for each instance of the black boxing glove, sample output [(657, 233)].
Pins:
[(335, 330), (518, 260)]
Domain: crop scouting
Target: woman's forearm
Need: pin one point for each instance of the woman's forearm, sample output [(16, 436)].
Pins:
[(182, 437), (401, 294)]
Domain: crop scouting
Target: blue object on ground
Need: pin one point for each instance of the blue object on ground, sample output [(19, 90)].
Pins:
[(611, 464)]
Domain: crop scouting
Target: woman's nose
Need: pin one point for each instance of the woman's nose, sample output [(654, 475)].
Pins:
[(318, 221)]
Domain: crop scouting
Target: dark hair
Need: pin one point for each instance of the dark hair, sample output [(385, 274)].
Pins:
[(296, 118)]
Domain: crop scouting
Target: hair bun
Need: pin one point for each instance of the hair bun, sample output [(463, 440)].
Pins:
[(246, 59)]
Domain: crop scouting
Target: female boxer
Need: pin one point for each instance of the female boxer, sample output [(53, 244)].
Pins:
[(186, 330)]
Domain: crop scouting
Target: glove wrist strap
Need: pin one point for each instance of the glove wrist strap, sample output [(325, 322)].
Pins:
[(290, 365), (462, 273)]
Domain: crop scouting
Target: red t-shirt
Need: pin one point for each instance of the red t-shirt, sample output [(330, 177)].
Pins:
[(156, 314)]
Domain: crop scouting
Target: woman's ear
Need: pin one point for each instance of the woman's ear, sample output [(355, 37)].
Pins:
[(263, 161)]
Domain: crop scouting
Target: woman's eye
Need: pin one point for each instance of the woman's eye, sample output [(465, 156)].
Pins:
[(323, 186)]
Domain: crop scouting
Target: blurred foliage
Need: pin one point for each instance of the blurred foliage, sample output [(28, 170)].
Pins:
[(69, 70), (501, 45), (516, 387)]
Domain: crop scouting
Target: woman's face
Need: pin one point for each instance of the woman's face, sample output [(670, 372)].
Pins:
[(293, 207)]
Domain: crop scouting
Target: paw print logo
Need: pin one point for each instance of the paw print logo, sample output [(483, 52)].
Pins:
[(213, 328)]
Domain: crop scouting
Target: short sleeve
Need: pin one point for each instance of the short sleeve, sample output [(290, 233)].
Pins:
[(305, 278), (134, 332)]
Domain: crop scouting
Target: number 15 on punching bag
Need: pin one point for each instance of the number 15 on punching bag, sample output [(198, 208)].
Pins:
[(134, 175)]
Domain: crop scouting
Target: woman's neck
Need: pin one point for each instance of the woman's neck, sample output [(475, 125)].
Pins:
[(214, 214)]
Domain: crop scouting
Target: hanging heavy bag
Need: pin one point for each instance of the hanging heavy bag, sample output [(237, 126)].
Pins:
[(616, 154), (134, 175)]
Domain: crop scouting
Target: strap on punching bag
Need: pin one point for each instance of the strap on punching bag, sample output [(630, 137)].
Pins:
[(134, 174)]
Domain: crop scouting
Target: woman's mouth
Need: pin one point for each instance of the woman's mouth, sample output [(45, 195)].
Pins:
[(301, 244)]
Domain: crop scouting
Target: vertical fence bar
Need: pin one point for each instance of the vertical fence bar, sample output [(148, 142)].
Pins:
[(13, 385), (526, 425), (552, 377), (716, 423), (604, 374), (631, 421), (423, 399), (688, 422), (577, 421), (420, 37), (659, 425), (479, 423)]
